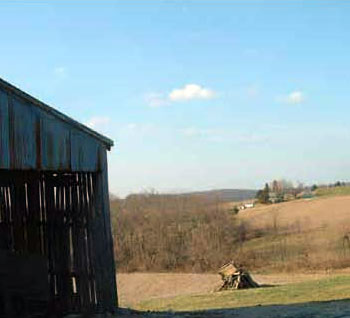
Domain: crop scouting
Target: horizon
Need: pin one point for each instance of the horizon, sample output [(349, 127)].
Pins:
[(189, 191), (195, 96)]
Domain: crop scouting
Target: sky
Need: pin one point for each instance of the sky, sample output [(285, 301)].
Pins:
[(195, 94)]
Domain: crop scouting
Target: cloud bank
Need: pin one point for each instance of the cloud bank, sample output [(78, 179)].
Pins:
[(190, 92), (293, 98), (187, 93)]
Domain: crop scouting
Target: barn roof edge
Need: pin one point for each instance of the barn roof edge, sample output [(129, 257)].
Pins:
[(105, 140)]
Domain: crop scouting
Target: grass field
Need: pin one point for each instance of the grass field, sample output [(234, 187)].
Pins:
[(326, 289), (300, 250), (333, 191), (139, 288)]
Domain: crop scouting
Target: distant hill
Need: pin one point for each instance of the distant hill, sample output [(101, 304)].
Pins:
[(223, 195), (226, 195)]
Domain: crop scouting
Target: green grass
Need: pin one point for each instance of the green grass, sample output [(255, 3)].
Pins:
[(332, 288), (333, 191)]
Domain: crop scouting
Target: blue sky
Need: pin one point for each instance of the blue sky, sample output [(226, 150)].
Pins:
[(196, 94)]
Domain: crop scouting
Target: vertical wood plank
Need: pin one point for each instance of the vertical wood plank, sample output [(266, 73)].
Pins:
[(82, 245), (4, 131), (5, 220), (55, 144), (61, 256), (18, 211), (33, 217), (107, 286), (50, 237), (89, 218), (75, 241), (84, 152), (22, 134)]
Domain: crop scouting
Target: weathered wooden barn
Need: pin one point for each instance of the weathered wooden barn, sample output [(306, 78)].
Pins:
[(56, 247)]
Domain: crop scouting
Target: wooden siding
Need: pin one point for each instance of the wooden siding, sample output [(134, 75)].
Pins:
[(54, 172), (4, 131), (105, 264), (34, 139), (62, 225)]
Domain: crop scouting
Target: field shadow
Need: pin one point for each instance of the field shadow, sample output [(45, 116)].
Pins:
[(316, 309), (267, 285)]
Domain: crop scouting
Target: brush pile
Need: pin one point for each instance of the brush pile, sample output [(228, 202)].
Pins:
[(235, 277)]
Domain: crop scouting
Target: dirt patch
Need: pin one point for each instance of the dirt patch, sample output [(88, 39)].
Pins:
[(136, 287)]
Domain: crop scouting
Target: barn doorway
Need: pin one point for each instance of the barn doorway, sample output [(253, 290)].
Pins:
[(46, 245)]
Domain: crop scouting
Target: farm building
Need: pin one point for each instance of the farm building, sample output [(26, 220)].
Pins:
[(56, 247)]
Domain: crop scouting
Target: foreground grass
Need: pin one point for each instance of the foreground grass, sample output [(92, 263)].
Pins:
[(331, 288)]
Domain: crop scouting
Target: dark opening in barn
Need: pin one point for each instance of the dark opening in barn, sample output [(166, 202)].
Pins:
[(56, 247)]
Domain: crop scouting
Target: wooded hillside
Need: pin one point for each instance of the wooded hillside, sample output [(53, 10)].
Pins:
[(191, 234), (162, 233)]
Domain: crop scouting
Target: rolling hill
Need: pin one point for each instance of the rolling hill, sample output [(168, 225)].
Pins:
[(300, 235), (227, 195), (223, 195)]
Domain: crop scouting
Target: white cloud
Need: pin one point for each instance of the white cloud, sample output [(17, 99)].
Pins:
[(293, 98), (190, 92), (208, 134), (155, 100), (253, 91), (187, 93), (251, 138), (217, 135), (191, 131), (131, 126), (60, 71), (98, 122), (139, 129)]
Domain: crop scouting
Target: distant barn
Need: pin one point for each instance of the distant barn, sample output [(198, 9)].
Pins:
[(56, 248)]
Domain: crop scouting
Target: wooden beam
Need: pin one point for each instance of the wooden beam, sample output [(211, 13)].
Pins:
[(106, 264)]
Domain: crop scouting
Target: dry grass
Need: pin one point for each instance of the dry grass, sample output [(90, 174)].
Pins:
[(310, 213), (135, 288), (298, 235)]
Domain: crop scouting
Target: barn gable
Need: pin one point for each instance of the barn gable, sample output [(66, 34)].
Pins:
[(36, 136)]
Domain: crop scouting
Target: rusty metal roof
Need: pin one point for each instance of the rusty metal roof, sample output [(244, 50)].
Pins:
[(13, 89)]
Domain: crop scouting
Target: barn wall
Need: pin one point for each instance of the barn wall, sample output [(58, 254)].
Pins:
[(34, 139), (4, 131)]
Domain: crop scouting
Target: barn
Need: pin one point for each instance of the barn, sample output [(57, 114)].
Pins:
[(56, 247)]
